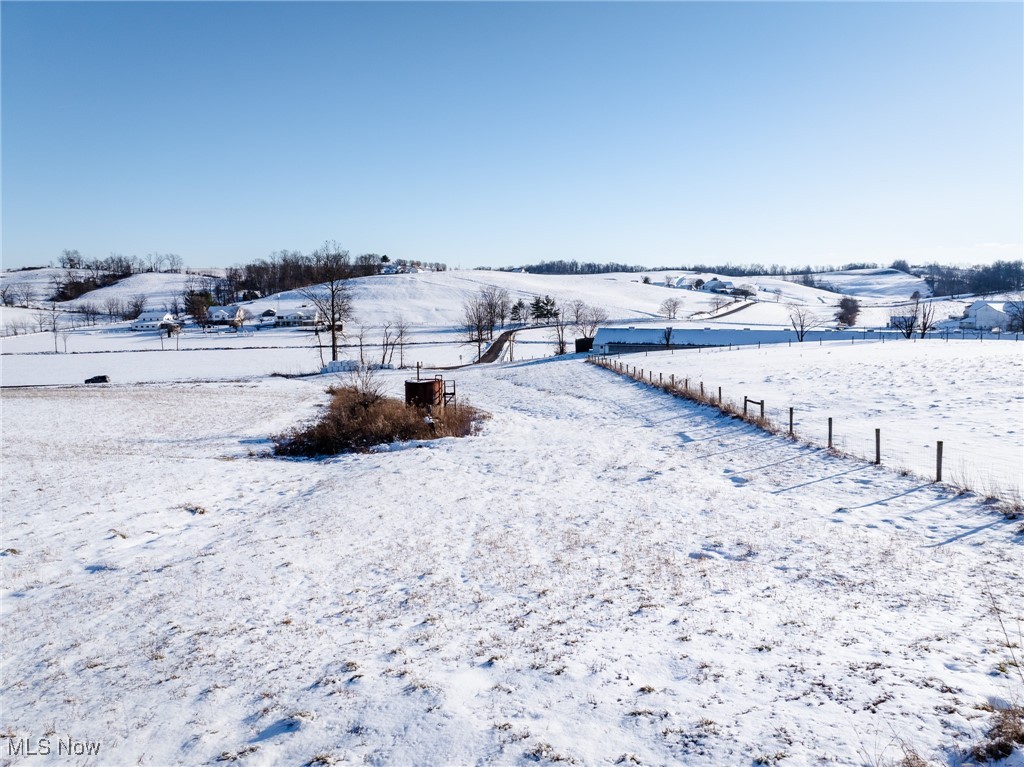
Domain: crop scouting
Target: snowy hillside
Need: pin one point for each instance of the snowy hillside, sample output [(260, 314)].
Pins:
[(875, 283)]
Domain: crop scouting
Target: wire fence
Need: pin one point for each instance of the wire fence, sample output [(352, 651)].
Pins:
[(885, 443)]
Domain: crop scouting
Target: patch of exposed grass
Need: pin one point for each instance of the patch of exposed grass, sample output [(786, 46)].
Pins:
[(1003, 737), (359, 418)]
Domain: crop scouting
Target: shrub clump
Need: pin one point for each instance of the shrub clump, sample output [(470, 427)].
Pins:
[(1005, 735), (358, 418)]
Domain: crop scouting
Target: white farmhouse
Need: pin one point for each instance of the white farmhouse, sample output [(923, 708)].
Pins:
[(987, 315), (224, 315), (302, 317), (153, 320)]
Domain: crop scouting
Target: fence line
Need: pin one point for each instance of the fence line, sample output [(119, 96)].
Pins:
[(872, 448)]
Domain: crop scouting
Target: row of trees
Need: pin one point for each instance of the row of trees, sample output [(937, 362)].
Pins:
[(728, 269), (116, 263), (291, 270), (1001, 276), (490, 309)]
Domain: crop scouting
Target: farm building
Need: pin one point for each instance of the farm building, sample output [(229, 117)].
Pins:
[(717, 286), (634, 339), (986, 315), (302, 317), (224, 315), (153, 320)]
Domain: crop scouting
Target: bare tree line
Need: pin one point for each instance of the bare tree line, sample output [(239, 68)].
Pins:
[(492, 308)]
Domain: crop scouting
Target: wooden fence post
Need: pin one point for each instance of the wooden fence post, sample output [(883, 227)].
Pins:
[(878, 447), (791, 422), (938, 461), (719, 395), (830, 433), (762, 410)]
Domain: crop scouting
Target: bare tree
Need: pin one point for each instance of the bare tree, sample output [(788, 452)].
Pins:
[(904, 322), (919, 318), (360, 340), (1015, 311), (332, 296), (926, 313), (592, 317), (51, 320), (803, 320), (114, 308), (476, 323), (136, 305), (25, 293), (401, 331), (497, 304), (7, 294), (670, 307), (667, 336), (175, 263), (575, 311), (388, 341), (559, 323), (90, 311), (718, 302)]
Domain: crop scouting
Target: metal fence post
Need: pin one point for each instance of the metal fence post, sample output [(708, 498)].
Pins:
[(830, 433), (791, 422), (938, 461), (878, 447)]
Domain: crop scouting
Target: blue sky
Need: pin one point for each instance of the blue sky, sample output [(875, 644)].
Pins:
[(505, 133)]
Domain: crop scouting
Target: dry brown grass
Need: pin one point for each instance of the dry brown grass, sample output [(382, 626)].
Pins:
[(1003, 737), (359, 418)]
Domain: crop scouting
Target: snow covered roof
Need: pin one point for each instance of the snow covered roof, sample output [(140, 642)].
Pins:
[(227, 311), (999, 306)]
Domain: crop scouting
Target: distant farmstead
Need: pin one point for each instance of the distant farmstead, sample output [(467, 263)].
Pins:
[(299, 318), (154, 320), (986, 315), (224, 315)]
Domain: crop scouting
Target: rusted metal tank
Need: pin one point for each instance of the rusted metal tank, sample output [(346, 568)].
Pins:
[(424, 394)]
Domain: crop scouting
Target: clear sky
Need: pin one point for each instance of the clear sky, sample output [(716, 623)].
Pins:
[(505, 133)]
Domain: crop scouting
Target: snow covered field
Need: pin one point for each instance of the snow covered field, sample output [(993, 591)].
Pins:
[(969, 394), (604, 575)]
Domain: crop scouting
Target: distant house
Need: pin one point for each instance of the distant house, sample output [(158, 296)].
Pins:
[(986, 315), (154, 320), (302, 317), (224, 315)]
